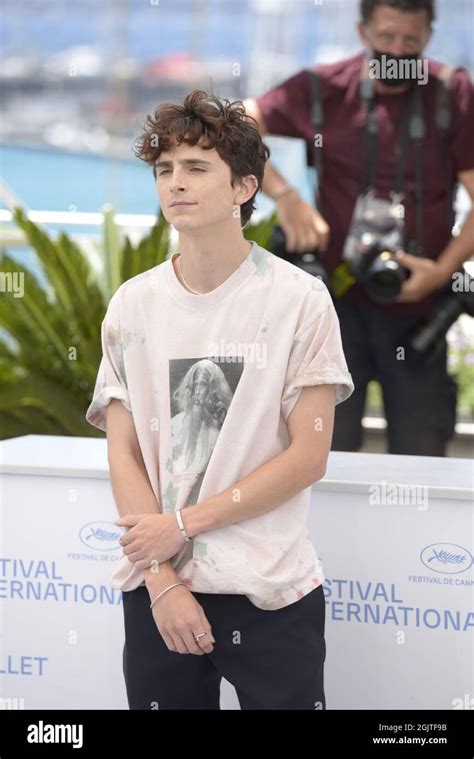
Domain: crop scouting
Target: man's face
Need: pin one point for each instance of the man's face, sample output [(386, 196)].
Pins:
[(194, 188), (396, 32)]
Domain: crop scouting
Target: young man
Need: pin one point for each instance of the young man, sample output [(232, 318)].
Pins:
[(221, 369)]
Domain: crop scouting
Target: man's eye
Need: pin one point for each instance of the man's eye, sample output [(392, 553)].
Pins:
[(166, 171)]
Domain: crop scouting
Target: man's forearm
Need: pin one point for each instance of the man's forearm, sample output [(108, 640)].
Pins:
[(273, 181), (268, 486), (133, 494), (459, 249)]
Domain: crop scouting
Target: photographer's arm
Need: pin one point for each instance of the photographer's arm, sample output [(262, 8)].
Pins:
[(428, 275), (304, 227), (460, 248), (273, 181)]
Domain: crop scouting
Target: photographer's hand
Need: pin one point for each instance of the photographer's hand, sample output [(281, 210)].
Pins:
[(303, 225), (426, 276)]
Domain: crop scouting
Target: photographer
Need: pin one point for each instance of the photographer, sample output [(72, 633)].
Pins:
[(384, 155)]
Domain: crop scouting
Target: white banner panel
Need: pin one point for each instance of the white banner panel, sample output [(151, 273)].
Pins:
[(395, 534)]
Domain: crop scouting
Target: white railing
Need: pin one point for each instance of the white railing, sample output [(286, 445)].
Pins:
[(82, 218), (136, 222)]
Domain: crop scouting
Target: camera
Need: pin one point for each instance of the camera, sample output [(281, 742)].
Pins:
[(309, 261), (424, 341), (376, 233)]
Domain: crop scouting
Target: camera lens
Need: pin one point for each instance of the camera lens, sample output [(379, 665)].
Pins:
[(384, 278)]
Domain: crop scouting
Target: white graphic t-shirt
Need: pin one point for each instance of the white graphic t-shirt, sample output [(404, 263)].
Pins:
[(210, 380)]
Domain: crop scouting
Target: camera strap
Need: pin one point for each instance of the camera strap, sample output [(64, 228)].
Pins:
[(443, 123), (317, 119), (413, 127), (417, 132)]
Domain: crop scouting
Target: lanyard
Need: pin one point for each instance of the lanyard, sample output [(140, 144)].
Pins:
[(317, 120), (413, 126)]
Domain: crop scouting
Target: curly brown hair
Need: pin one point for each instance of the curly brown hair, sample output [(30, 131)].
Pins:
[(224, 125)]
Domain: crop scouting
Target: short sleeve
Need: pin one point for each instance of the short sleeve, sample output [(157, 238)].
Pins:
[(111, 380), (317, 356), (461, 144), (285, 108)]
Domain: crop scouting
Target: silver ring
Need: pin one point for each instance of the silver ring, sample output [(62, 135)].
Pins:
[(196, 637)]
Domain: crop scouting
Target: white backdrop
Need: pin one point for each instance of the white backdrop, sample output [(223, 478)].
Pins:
[(398, 566)]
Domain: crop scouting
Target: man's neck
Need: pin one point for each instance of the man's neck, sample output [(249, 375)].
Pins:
[(383, 89), (206, 263)]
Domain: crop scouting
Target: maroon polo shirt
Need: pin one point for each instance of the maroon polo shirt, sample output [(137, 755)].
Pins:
[(286, 111)]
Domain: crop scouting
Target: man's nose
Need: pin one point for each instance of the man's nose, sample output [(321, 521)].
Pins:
[(398, 47), (177, 181)]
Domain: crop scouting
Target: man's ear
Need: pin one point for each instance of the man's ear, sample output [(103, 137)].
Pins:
[(245, 188), (362, 33), (428, 38)]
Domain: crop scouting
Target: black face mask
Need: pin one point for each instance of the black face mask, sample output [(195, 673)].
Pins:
[(391, 72)]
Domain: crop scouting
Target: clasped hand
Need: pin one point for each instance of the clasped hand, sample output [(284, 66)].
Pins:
[(150, 538)]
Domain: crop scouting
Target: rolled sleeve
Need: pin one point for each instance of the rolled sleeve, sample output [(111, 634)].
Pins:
[(111, 378), (317, 356), (461, 144)]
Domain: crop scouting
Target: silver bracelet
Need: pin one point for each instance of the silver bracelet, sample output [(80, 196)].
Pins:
[(163, 592), (181, 526)]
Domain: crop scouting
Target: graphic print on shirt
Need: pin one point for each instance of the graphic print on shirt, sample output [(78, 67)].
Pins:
[(201, 391)]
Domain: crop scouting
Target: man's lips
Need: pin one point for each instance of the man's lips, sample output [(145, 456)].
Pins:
[(181, 203)]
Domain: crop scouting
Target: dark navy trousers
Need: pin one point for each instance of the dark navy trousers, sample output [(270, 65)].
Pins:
[(419, 397), (274, 659)]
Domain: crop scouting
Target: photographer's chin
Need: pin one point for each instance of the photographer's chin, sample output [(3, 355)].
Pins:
[(397, 70)]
